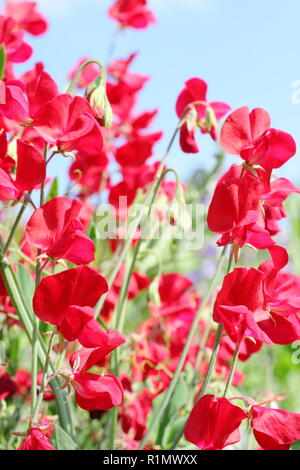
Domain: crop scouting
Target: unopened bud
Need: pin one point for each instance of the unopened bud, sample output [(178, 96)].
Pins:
[(210, 119), (96, 95)]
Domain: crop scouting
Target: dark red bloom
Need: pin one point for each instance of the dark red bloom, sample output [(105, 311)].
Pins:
[(31, 171), (36, 439), (67, 299), (89, 172), (176, 296), (97, 392), (92, 391), (204, 115), (40, 88), (281, 290), (250, 136), (247, 348), (132, 13), (26, 16), (214, 423), (122, 92), (273, 200), (8, 387), (236, 210), (56, 228), (275, 429), (240, 305), (14, 104), (85, 358), (137, 150)]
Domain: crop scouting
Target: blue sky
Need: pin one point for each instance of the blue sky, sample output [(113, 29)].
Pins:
[(248, 52)]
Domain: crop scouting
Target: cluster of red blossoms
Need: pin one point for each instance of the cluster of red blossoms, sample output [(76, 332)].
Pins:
[(80, 308), (257, 304)]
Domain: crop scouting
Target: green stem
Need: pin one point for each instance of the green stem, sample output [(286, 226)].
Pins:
[(35, 320), (232, 369), (25, 317), (14, 227), (201, 351), (157, 415), (79, 71), (135, 223), (34, 360), (120, 315), (113, 413), (212, 361), (44, 380)]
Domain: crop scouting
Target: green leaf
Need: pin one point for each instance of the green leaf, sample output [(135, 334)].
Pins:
[(169, 418), (171, 431), (2, 61), (92, 232), (2, 353), (26, 284), (62, 440)]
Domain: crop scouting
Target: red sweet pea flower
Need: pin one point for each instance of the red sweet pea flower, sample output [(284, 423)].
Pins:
[(137, 150), (122, 94), (133, 125), (8, 387), (66, 300), (281, 291), (97, 392), (69, 123), (247, 348), (273, 200), (275, 429), (14, 104), (240, 305), (176, 296), (236, 210), (85, 358), (134, 415), (92, 391), (26, 16), (119, 68), (134, 178), (214, 423), (56, 228), (40, 88), (23, 381), (250, 136), (132, 13), (204, 115), (23, 98), (36, 439), (31, 171), (16, 50)]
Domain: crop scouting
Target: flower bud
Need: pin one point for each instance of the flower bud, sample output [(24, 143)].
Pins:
[(96, 95), (210, 119)]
